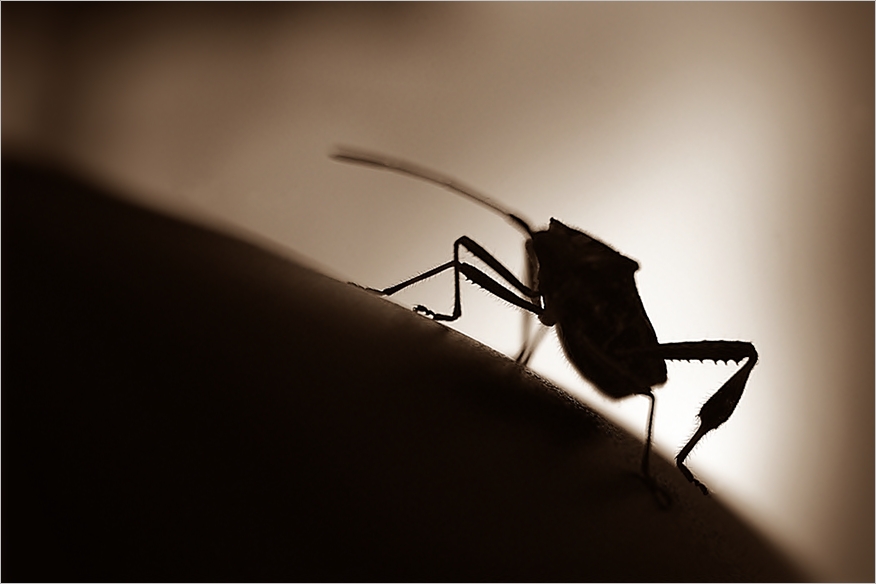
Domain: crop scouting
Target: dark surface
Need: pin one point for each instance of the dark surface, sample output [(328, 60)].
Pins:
[(180, 405)]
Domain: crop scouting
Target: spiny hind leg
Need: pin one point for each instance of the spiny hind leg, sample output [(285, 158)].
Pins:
[(720, 406)]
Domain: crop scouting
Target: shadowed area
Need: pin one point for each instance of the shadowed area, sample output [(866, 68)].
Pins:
[(182, 405)]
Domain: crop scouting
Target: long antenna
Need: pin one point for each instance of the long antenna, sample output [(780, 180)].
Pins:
[(416, 171)]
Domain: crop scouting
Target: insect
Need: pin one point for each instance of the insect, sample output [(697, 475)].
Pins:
[(586, 290)]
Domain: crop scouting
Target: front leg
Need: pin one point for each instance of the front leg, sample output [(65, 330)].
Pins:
[(720, 406), (474, 275)]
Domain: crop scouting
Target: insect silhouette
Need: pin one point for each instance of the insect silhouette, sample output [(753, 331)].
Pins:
[(588, 292)]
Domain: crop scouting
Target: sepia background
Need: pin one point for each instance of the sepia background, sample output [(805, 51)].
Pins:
[(728, 148)]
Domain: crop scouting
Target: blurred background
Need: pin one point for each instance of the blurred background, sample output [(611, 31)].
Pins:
[(728, 148)]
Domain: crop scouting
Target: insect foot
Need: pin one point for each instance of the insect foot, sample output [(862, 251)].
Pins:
[(420, 309), (661, 496), (367, 289), (689, 475)]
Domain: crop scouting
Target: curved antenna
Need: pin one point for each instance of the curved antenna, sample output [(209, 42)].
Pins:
[(416, 171)]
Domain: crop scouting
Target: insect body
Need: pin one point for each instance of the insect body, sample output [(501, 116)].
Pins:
[(588, 292)]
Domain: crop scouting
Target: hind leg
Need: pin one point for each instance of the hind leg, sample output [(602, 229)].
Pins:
[(720, 406)]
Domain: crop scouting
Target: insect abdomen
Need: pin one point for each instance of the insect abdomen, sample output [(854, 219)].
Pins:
[(615, 374)]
